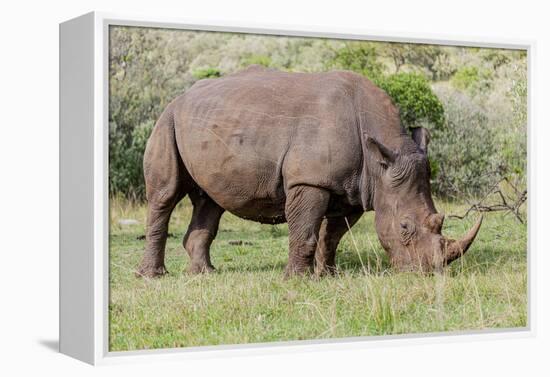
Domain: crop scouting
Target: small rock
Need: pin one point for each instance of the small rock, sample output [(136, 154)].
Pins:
[(128, 222)]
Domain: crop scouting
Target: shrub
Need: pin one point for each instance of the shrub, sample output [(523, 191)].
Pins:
[(515, 140), (465, 77), (462, 153), (126, 161), (494, 57), (206, 73), (414, 97), (262, 60), (410, 91), (472, 79)]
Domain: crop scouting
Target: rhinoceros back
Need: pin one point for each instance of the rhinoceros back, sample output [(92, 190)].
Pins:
[(248, 137)]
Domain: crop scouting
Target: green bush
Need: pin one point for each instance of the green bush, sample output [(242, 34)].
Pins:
[(462, 153), (515, 140), (262, 60), (410, 91), (126, 161), (465, 77), (206, 73), (472, 79), (414, 97)]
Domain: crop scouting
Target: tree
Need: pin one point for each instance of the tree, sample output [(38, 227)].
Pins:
[(399, 53), (428, 57), (360, 57)]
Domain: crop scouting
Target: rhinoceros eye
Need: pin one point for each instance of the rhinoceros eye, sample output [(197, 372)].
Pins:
[(407, 229)]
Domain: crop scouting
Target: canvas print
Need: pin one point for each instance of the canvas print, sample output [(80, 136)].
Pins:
[(270, 188)]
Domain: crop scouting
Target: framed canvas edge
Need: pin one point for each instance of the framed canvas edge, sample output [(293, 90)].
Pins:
[(102, 355)]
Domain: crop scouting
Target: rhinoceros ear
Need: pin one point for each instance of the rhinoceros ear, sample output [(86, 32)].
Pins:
[(421, 137), (384, 155)]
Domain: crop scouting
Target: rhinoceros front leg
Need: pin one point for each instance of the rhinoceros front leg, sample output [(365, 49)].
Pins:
[(304, 211), (331, 232)]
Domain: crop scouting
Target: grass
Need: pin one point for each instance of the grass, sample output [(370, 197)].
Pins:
[(247, 300)]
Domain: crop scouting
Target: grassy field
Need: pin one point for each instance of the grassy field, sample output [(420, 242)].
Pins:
[(247, 300)]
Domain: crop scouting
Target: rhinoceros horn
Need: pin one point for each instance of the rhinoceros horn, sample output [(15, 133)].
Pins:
[(455, 249)]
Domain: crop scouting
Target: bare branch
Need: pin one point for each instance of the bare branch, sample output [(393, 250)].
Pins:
[(505, 203)]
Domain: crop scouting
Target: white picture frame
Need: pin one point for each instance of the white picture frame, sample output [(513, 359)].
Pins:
[(84, 207)]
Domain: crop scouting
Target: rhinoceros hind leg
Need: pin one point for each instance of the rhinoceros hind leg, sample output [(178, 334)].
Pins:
[(304, 211), (331, 232), (202, 231), (166, 183)]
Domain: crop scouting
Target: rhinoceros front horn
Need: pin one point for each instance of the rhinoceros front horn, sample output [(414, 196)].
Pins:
[(455, 249)]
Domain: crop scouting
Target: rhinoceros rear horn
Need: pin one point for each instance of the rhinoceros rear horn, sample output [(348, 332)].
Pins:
[(455, 249)]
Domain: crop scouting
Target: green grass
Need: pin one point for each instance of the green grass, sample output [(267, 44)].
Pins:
[(247, 300)]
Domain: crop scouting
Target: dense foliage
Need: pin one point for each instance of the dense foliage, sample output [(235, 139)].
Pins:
[(359, 57), (473, 100), (463, 155), (415, 98), (410, 91)]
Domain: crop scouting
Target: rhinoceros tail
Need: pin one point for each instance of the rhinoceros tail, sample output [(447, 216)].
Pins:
[(166, 177)]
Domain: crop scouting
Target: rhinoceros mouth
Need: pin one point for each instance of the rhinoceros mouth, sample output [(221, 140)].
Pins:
[(447, 251)]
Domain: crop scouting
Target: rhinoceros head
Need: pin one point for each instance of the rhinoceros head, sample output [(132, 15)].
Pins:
[(407, 223)]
